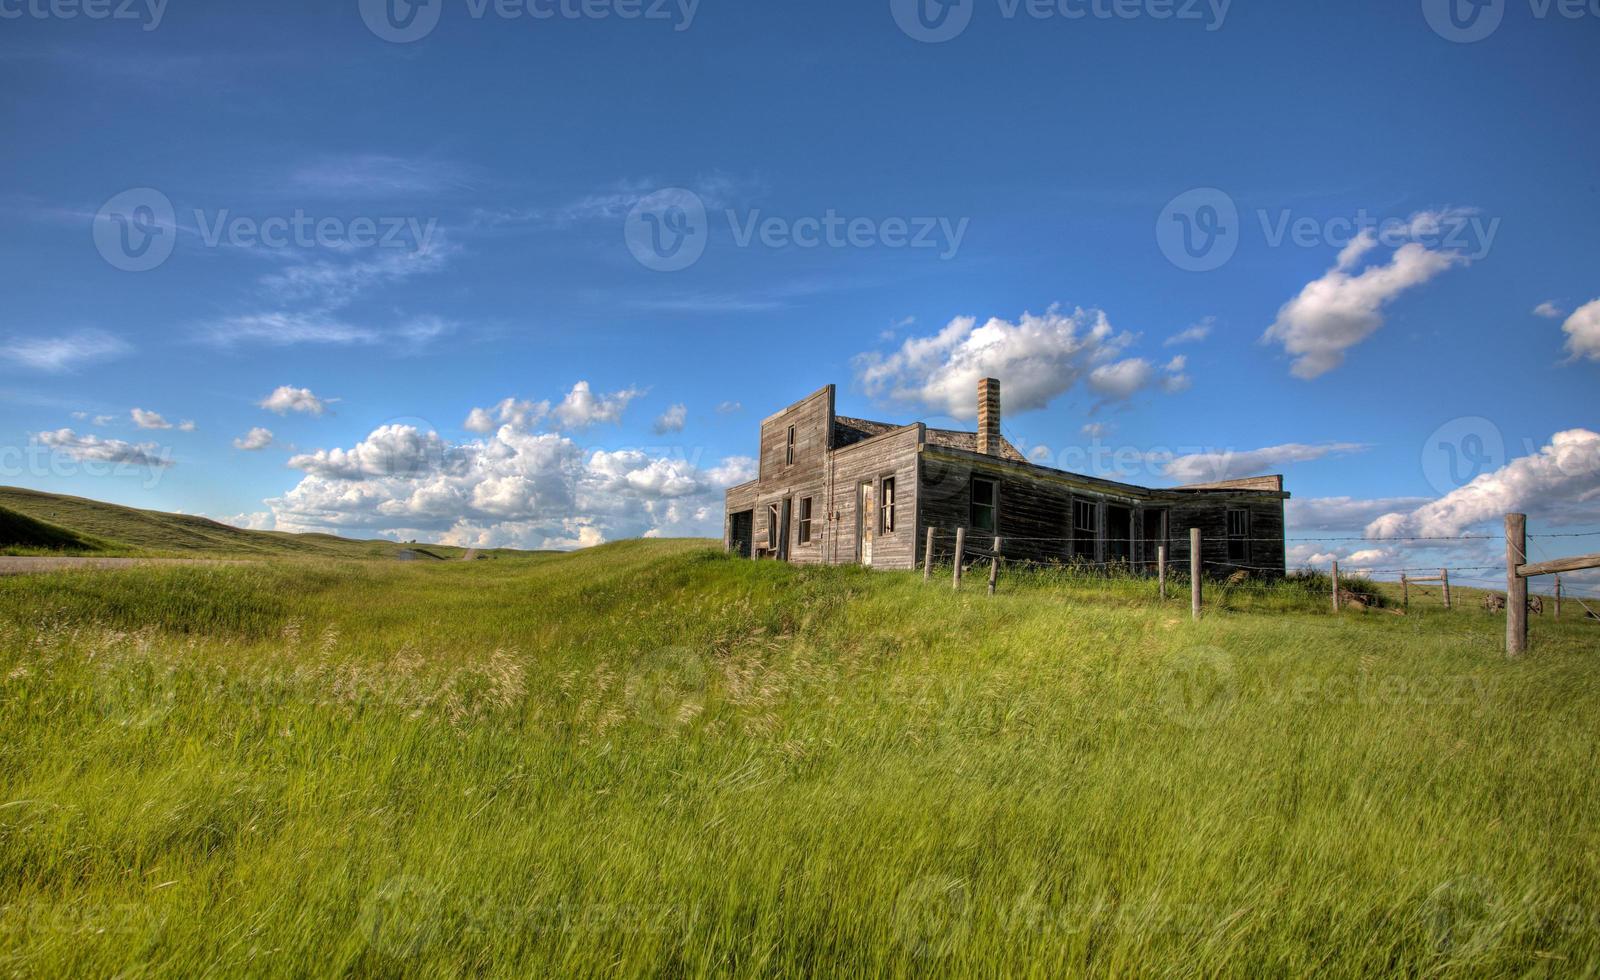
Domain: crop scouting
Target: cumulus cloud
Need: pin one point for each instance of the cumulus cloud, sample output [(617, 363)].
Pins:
[(1229, 465), (187, 425), (514, 487), (85, 448), (672, 420), (1548, 310), (260, 520), (1343, 513), (1037, 359), (1565, 471), (56, 355), (286, 398), (583, 408), (149, 420), (255, 440), (1193, 334), (1583, 331), (1345, 307)]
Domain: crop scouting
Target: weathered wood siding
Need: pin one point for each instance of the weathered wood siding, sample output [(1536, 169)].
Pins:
[(812, 419)]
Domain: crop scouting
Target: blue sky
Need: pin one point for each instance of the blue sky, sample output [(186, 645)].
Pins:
[(481, 186)]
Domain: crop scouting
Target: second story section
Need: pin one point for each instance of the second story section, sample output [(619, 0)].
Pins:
[(795, 441)]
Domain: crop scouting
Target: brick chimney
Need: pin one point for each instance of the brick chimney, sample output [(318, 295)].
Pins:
[(989, 417)]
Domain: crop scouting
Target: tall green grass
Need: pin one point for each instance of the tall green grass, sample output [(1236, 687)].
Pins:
[(649, 759)]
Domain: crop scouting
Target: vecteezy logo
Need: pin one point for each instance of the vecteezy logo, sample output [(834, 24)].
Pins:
[(1460, 451), (932, 21), (136, 230), (1199, 687), (1464, 21), (1198, 230), (667, 231), (401, 21)]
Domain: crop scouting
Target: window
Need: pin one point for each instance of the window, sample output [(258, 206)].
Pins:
[(788, 449), (1238, 535), (886, 507), (805, 520), (1085, 528), (985, 505)]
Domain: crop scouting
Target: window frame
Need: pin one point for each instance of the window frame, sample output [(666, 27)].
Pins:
[(774, 525), (803, 523), (993, 505), (1241, 541), (788, 448), (1085, 540), (886, 505)]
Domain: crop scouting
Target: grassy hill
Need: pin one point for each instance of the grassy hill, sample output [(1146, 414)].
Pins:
[(650, 759), (39, 523)]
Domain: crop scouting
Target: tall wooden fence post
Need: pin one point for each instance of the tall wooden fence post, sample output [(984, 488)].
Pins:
[(1516, 585), (1161, 572), (1405, 593), (1335, 586), (994, 566), (1558, 597), (1194, 572), (1444, 574), (961, 548), (927, 557)]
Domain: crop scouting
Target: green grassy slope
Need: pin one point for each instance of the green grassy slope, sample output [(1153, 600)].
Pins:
[(92, 526), (649, 759), (20, 533)]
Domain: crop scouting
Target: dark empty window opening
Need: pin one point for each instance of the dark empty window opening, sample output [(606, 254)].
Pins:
[(985, 505), (788, 449), (1085, 528), (805, 520), (886, 507), (1239, 535), (1119, 534)]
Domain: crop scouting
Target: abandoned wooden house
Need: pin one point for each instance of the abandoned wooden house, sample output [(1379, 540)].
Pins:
[(838, 490)]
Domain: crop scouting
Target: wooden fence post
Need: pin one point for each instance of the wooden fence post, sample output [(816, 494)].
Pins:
[(1161, 573), (961, 548), (927, 557), (1194, 572), (994, 566), (1516, 585), (1335, 586), (1405, 592), (1444, 573), (1558, 597)]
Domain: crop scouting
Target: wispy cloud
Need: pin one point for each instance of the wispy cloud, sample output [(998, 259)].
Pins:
[(379, 175), (1231, 465), (1193, 334), (63, 353)]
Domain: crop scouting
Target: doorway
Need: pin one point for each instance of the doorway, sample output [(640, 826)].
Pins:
[(1119, 534), (866, 522)]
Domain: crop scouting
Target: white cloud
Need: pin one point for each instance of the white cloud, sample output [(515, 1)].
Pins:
[(104, 420), (514, 487), (149, 420), (1037, 359), (66, 353), (1229, 465), (260, 520), (1193, 334), (1342, 513), (1094, 430), (1583, 331), (672, 420), (582, 408), (378, 175), (187, 425), (510, 411), (730, 408), (286, 399), (1343, 308), (279, 329), (1564, 472), (255, 440), (89, 447), (1548, 310)]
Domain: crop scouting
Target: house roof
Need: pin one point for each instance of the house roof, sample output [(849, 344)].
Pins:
[(848, 431)]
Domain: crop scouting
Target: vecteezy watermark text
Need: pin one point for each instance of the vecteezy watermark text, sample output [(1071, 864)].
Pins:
[(936, 21), (1201, 229), (1470, 21), (668, 231), (147, 12), (137, 230), (404, 21)]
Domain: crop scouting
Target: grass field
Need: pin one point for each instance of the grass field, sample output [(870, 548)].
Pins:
[(650, 759)]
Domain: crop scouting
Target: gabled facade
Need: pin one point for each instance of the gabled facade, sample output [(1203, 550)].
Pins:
[(838, 490)]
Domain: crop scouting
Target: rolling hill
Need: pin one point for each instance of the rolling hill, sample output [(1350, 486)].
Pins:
[(32, 522)]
